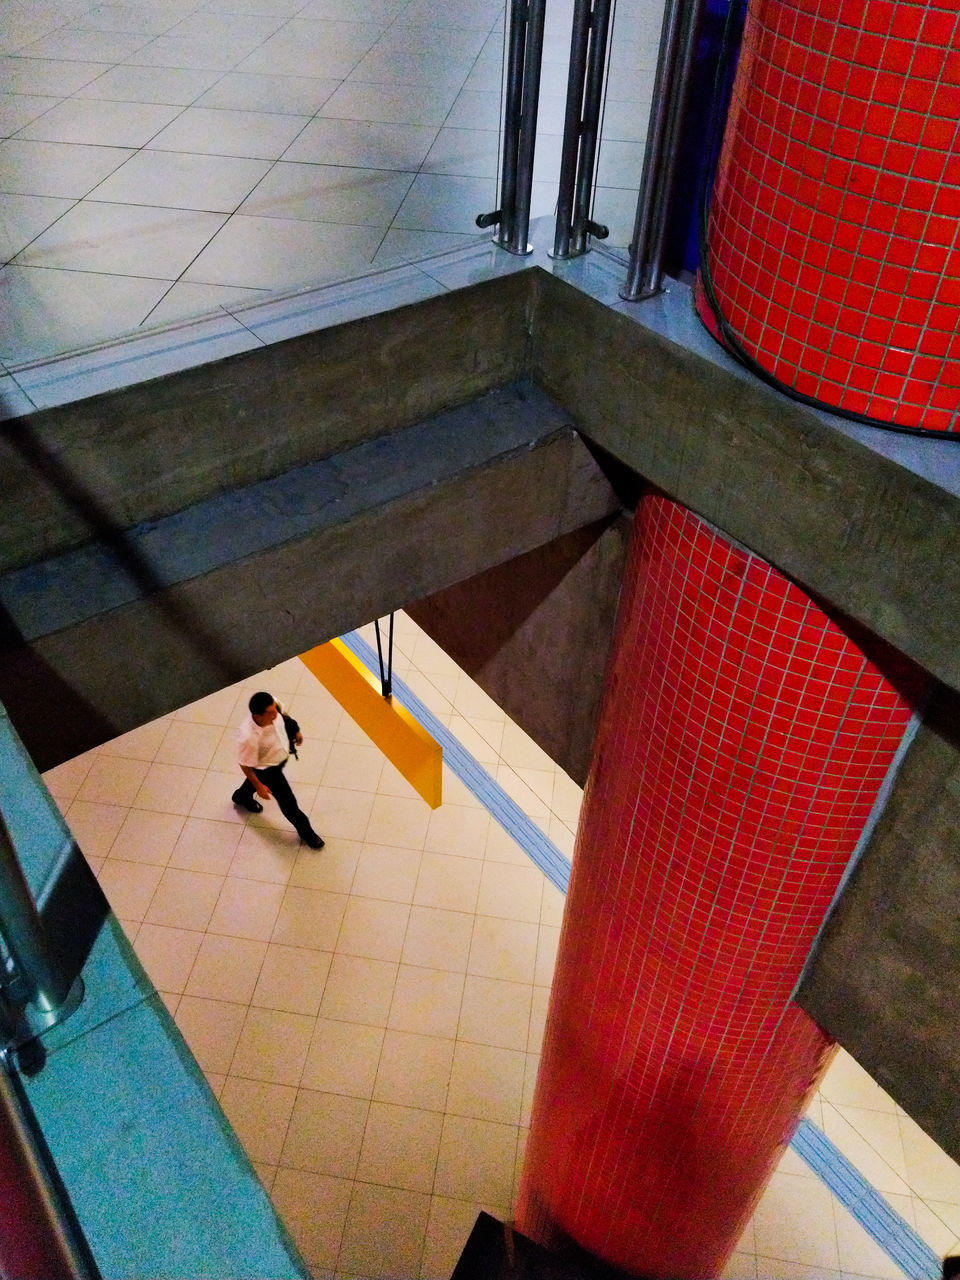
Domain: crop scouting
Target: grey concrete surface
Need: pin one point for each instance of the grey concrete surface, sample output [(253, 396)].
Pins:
[(535, 634)]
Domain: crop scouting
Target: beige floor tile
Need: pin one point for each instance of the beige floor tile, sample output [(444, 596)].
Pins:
[(310, 765), (129, 886), (448, 1229), (457, 829), (266, 1173), (386, 871), (266, 854), (869, 1139), (448, 882), (437, 939), (473, 741), (400, 1146), (147, 837), (64, 780), (353, 766), (938, 1225), (338, 811), (511, 893), (455, 792), (501, 847), (794, 1219), (184, 899), (563, 836), (539, 1007), (168, 954), (477, 1161), (519, 791), (141, 743), (314, 1208), (95, 826), (548, 939), (169, 788), (113, 780), (246, 908), (259, 1114), (206, 845), (519, 750), (540, 782), (273, 1046), (551, 911), (859, 1253), (567, 799), (471, 701), (931, 1173), (343, 1058), (211, 1028), (325, 1133), (212, 799), (740, 1266), (426, 1001), (333, 871), (292, 979), (226, 969), (531, 1067), (359, 989), (847, 1084), (393, 783), (486, 1083), (398, 821), (221, 708), (373, 928), (495, 1012), (414, 1070), (505, 949), (309, 918), (188, 743), (384, 1232)]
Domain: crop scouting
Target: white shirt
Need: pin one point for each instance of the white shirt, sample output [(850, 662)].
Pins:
[(259, 746)]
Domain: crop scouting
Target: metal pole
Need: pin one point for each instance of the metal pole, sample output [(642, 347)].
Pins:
[(570, 155), (513, 99), (672, 134), (40, 1235), (533, 58), (589, 138), (637, 284), (39, 980)]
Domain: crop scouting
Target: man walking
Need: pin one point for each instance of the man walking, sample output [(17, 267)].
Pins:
[(262, 752)]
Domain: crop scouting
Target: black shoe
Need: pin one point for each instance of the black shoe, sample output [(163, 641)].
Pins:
[(254, 806), (314, 841)]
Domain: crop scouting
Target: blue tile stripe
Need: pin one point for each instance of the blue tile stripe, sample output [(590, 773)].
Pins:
[(894, 1235), (472, 774), (886, 1227)]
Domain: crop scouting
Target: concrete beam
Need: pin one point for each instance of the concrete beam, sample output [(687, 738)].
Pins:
[(145, 451), (852, 526), (885, 980), (103, 639)]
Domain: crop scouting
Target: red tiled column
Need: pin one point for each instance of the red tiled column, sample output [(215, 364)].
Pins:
[(742, 743), (832, 240)]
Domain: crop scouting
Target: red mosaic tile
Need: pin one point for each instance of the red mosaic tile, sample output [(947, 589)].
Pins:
[(840, 174), (742, 744)]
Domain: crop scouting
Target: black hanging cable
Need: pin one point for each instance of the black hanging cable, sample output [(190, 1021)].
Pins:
[(731, 339)]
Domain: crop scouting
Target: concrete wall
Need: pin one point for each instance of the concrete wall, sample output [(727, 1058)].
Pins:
[(535, 634)]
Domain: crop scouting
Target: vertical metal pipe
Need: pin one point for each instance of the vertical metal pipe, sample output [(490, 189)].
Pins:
[(41, 981), (513, 99), (533, 59), (653, 154), (590, 132), (680, 91), (570, 155)]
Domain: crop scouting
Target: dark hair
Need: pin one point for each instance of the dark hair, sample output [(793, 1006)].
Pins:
[(259, 703)]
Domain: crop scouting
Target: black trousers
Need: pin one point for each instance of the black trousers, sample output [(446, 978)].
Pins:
[(274, 778)]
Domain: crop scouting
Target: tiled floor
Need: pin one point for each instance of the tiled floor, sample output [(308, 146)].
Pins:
[(163, 158), (370, 1017)]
